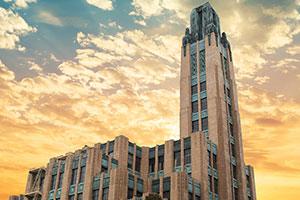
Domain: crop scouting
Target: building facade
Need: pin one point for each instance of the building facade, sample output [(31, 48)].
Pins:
[(207, 162)]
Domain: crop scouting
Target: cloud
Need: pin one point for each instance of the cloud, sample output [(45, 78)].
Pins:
[(261, 79), (48, 18), (5, 73), (21, 3), (140, 22), (13, 26), (35, 67), (102, 4), (293, 50), (148, 8), (114, 24)]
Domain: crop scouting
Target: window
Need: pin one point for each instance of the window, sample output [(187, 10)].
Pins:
[(187, 150), (216, 185), (151, 159), (95, 195), (105, 193), (234, 171), (228, 92), (194, 89), (111, 148), (232, 149), (236, 194), (190, 197), (60, 180), (74, 176), (204, 123), (82, 174), (71, 197), (203, 86), (203, 104), (208, 157), (155, 186), (215, 161), (104, 163), (210, 183), (53, 181), (129, 193), (103, 148), (194, 106), (137, 164), (230, 110), (151, 165), (79, 196), (195, 126), (130, 186), (231, 129), (166, 187), (161, 152), (177, 156), (130, 161), (139, 189)]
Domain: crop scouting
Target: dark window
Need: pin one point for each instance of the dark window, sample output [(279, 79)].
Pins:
[(60, 180), (71, 197), (151, 165), (95, 195), (155, 186), (177, 154), (190, 197), (79, 196), (160, 163), (203, 86), (231, 129), (130, 161), (210, 183), (161, 153), (203, 104), (103, 148), (137, 164), (111, 148), (216, 185), (53, 181), (234, 171), (74, 176), (187, 156), (130, 193), (166, 187), (228, 92), (215, 161), (105, 193), (204, 123), (177, 160), (232, 149), (194, 89), (230, 110), (151, 159), (140, 189), (195, 126), (82, 174), (236, 194), (194, 106), (209, 157)]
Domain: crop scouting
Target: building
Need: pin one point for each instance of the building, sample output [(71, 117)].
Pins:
[(207, 161)]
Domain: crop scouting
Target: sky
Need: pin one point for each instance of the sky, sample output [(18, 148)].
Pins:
[(78, 72)]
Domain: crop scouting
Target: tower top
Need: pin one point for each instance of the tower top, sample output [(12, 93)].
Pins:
[(203, 20)]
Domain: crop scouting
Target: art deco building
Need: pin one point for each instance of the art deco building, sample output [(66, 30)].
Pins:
[(207, 162)]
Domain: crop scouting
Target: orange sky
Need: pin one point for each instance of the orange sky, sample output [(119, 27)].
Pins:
[(86, 100)]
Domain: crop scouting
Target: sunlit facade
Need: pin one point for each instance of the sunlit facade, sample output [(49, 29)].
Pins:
[(207, 162)]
